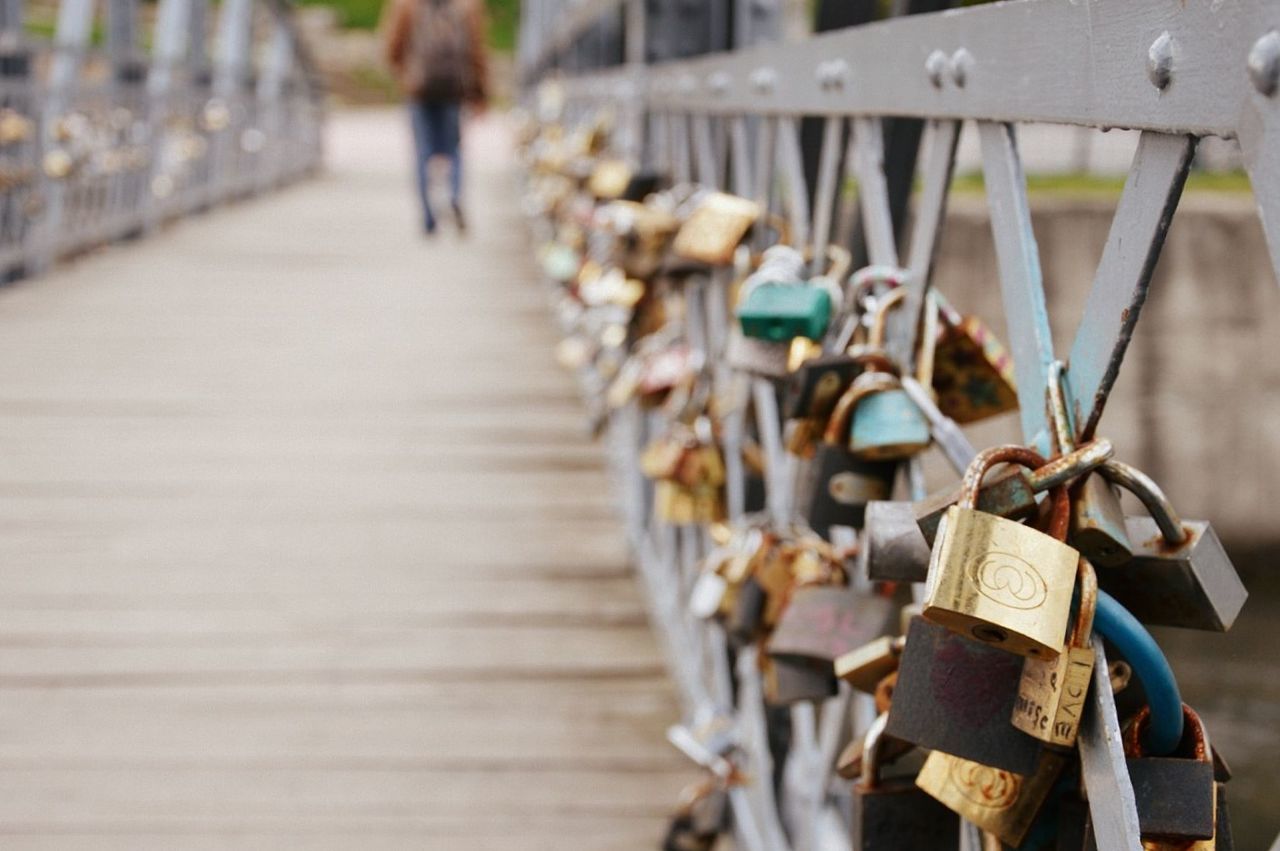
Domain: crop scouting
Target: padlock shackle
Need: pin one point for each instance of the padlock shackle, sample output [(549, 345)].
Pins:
[(867, 277), (1063, 434), (872, 743), (837, 429), (1114, 622), (1134, 734), (1083, 626), (1152, 497), (880, 321), (1059, 519), (1067, 467)]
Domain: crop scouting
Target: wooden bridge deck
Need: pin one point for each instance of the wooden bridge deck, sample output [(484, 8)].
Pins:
[(304, 547)]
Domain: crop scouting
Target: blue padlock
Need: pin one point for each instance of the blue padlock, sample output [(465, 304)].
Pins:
[(887, 425)]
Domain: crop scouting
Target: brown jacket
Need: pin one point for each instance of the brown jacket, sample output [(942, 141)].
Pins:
[(397, 28)]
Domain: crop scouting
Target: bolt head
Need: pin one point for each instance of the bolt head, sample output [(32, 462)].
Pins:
[(935, 66), (1160, 61), (961, 66), (1264, 64)]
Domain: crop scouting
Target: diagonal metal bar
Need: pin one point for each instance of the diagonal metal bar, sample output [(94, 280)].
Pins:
[(795, 190), (1259, 137), (1112, 805), (1120, 285), (762, 179), (941, 138), (740, 156), (1021, 283), (866, 162), (707, 168), (826, 187)]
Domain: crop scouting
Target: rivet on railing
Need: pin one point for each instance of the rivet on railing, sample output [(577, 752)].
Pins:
[(718, 83), (763, 80), (832, 74), (961, 66), (935, 65), (1264, 63), (1160, 61), (686, 85)]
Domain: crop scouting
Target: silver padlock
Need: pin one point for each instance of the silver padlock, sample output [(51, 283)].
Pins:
[(893, 548), (1180, 574)]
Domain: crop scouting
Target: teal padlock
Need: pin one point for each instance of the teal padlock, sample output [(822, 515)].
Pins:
[(781, 312), (888, 425)]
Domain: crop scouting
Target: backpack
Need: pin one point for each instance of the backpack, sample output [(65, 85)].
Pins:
[(439, 65)]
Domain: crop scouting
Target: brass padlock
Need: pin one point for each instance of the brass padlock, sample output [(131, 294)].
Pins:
[(865, 667), (1051, 694), (1000, 802), (997, 580), (715, 227)]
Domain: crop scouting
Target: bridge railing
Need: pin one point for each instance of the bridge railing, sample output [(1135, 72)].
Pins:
[(130, 116), (1176, 72)]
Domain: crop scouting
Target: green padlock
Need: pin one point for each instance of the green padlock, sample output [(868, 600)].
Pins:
[(781, 312)]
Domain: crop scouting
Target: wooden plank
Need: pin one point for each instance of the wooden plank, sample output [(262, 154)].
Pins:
[(295, 560)]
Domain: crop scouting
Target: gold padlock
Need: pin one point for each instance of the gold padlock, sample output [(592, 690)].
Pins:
[(715, 227), (1052, 692), (999, 802), (997, 580)]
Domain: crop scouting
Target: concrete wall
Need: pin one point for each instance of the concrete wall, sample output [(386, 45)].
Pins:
[(1196, 405)]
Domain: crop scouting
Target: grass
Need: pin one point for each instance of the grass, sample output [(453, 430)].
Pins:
[(1105, 185)]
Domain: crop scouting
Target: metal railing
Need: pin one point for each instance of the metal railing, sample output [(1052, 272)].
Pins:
[(112, 127), (1175, 71)]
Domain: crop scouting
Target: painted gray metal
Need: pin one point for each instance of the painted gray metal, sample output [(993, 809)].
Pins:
[(1177, 71), (124, 138), (1142, 218)]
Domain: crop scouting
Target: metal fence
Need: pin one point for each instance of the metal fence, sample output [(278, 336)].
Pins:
[(736, 121), (137, 114)]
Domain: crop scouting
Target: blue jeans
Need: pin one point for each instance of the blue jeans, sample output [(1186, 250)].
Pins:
[(437, 132)]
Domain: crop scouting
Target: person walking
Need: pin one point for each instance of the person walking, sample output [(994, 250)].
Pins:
[(436, 50)]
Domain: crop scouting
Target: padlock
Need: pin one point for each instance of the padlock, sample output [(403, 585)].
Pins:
[(998, 580), (822, 623), (713, 230), (1175, 794), (1051, 693), (864, 667), (956, 695), (893, 814), (793, 680), (779, 312), (700, 818), (1002, 803), (885, 423), (843, 484), (813, 388), (609, 178), (1179, 575), (758, 356), (1012, 492), (893, 548), (1076, 831), (973, 372), (1098, 522), (1097, 518)]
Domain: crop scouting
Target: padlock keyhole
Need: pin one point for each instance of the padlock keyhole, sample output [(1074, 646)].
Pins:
[(990, 634)]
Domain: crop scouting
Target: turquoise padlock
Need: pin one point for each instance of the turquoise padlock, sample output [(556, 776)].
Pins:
[(781, 312), (887, 425)]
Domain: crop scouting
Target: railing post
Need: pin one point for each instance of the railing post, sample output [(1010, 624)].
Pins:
[(231, 72), (70, 40)]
